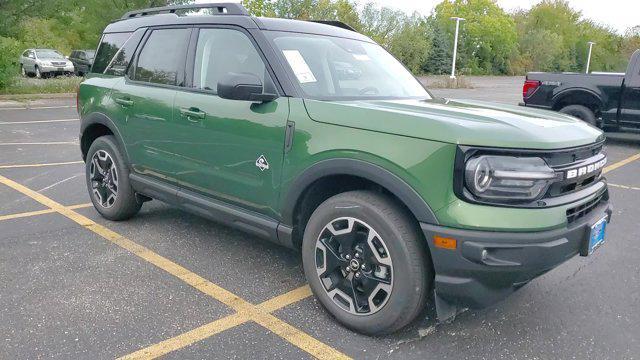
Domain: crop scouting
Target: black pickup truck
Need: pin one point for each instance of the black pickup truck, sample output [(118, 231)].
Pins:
[(607, 100)]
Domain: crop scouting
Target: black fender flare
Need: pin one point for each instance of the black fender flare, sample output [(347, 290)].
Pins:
[(578, 91), (102, 119), (369, 171)]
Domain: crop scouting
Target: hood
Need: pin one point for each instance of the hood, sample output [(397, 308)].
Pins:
[(464, 122)]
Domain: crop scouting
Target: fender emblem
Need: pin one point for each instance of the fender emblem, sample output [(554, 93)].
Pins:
[(262, 163)]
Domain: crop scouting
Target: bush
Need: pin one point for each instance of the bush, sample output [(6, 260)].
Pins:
[(9, 53)]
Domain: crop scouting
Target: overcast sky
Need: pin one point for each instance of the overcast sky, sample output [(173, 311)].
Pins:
[(618, 14)]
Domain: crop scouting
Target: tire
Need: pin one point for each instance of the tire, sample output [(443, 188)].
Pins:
[(108, 181), (38, 74), (581, 112), (372, 218)]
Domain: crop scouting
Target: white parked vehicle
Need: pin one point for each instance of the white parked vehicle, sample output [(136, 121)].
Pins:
[(44, 62)]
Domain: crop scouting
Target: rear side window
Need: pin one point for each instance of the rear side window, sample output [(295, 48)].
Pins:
[(161, 60), (109, 46), (120, 62)]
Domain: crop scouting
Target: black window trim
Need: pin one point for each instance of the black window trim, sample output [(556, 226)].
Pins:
[(191, 58), (133, 64)]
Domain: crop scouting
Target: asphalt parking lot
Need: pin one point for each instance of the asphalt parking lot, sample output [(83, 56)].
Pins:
[(167, 283)]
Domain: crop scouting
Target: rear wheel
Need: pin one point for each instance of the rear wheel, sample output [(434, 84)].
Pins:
[(366, 262), (108, 181), (581, 112)]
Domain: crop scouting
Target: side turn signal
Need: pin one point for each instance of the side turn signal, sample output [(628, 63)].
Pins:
[(445, 243)]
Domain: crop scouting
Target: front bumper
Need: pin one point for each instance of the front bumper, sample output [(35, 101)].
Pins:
[(56, 69), (487, 266)]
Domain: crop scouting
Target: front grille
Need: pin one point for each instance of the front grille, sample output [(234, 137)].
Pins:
[(575, 159), (58, 63), (578, 212)]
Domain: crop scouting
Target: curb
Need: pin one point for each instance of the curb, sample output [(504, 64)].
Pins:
[(37, 96)]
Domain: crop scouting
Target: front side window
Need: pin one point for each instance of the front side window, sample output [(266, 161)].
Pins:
[(333, 68), (161, 60), (109, 46), (220, 52)]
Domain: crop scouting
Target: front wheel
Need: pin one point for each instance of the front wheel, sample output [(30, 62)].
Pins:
[(108, 181), (366, 262), (38, 73)]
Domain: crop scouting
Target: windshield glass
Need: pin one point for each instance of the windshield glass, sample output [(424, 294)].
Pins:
[(332, 68), (49, 54), (90, 54)]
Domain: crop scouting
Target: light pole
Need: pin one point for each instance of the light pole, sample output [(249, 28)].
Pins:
[(455, 46), (591, 43)]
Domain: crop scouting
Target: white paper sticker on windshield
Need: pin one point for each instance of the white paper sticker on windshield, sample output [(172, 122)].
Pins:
[(362, 57), (299, 66)]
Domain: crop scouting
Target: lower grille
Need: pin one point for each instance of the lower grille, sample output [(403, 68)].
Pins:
[(578, 212)]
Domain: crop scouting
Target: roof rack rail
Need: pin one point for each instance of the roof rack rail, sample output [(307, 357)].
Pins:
[(222, 9), (335, 23)]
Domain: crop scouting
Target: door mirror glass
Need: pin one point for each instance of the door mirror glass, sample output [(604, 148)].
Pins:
[(243, 86)]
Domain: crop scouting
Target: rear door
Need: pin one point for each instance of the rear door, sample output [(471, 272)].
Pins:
[(232, 150), (145, 98), (630, 104)]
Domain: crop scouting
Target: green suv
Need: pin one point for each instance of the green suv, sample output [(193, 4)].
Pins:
[(311, 135)]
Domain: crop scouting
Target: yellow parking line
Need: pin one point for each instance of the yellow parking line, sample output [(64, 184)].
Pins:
[(188, 338), (295, 336), (621, 163), (41, 143), (40, 212), (36, 122), (218, 326), (624, 186), (39, 165)]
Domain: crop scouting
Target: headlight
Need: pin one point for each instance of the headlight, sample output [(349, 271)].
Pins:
[(507, 179)]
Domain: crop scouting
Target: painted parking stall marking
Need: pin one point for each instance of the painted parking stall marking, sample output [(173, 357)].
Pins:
[(242, 307)]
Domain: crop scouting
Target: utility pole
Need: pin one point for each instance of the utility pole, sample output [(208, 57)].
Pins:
[(455, 46), (591, 43)]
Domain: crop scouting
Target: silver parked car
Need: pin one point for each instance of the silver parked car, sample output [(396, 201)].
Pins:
[(44, 62)]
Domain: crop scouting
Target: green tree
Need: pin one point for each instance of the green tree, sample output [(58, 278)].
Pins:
[(439, 60), (488, 38)]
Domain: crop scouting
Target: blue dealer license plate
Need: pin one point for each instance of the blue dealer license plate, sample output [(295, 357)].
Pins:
[(596, 238)]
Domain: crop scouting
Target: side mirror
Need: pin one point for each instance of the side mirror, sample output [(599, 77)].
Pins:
[(66, 57), (243, 86)]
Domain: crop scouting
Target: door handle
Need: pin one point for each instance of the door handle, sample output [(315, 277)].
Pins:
[(192, 113), (123, 101)]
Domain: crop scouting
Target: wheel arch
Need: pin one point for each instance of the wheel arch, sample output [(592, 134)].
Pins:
[(584, 97), (330, 177), (95, 125)]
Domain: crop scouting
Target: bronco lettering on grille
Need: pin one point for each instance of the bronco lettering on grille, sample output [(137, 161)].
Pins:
[(584, 170)]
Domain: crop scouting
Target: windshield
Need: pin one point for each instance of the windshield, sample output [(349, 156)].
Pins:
[(49, 54), (90, 54), (332, 68)]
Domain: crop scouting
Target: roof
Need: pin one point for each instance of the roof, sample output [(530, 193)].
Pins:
[(236, 15)]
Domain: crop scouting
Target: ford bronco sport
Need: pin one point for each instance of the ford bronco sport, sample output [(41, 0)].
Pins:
[(313, 136)]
